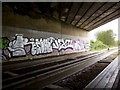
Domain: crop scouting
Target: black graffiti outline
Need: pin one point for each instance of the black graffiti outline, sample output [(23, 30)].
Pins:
[(60, 45)]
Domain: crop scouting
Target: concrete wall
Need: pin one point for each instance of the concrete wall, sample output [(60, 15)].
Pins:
[(29, 31)]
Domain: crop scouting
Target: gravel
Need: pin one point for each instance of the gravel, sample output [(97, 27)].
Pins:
[(81, 79)]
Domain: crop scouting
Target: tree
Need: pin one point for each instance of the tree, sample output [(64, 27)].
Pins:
[(97, 45), (92, 44), (107, 37), (118, 43)]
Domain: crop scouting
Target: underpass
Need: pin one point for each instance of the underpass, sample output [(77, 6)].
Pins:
[(42, 40)]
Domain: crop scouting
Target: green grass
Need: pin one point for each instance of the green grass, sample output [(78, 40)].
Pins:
[(118, 53), (93, 49), (98, 48)]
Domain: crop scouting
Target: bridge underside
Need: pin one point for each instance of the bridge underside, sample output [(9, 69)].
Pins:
[(34, 34), (35, 30), (83, 15)]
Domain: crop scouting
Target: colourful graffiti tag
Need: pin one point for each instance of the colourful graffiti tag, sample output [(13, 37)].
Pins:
[(20, 46), (4, 43)]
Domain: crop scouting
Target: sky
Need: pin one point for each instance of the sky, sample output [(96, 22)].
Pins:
[(111, 25)]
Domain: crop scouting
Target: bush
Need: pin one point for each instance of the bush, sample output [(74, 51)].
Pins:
[(97, 45)]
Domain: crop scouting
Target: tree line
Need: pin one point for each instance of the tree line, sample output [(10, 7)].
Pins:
[(105, 39)]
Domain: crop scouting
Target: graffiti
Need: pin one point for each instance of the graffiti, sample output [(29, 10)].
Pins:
[(16, 47), (78, 45), (27, 48), (60, 44), (4, 42), (40, 46), (20, 46), (6, 54)]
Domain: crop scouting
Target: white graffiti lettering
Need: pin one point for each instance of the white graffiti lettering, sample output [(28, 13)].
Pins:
[(17, 47), (60, 44)]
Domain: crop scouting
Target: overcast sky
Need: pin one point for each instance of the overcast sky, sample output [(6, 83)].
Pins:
[(111, 25)]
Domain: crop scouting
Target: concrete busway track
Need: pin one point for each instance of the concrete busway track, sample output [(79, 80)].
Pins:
[(23, 70), (44, 61), (57, 71), (28, 65), (11, 66)]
